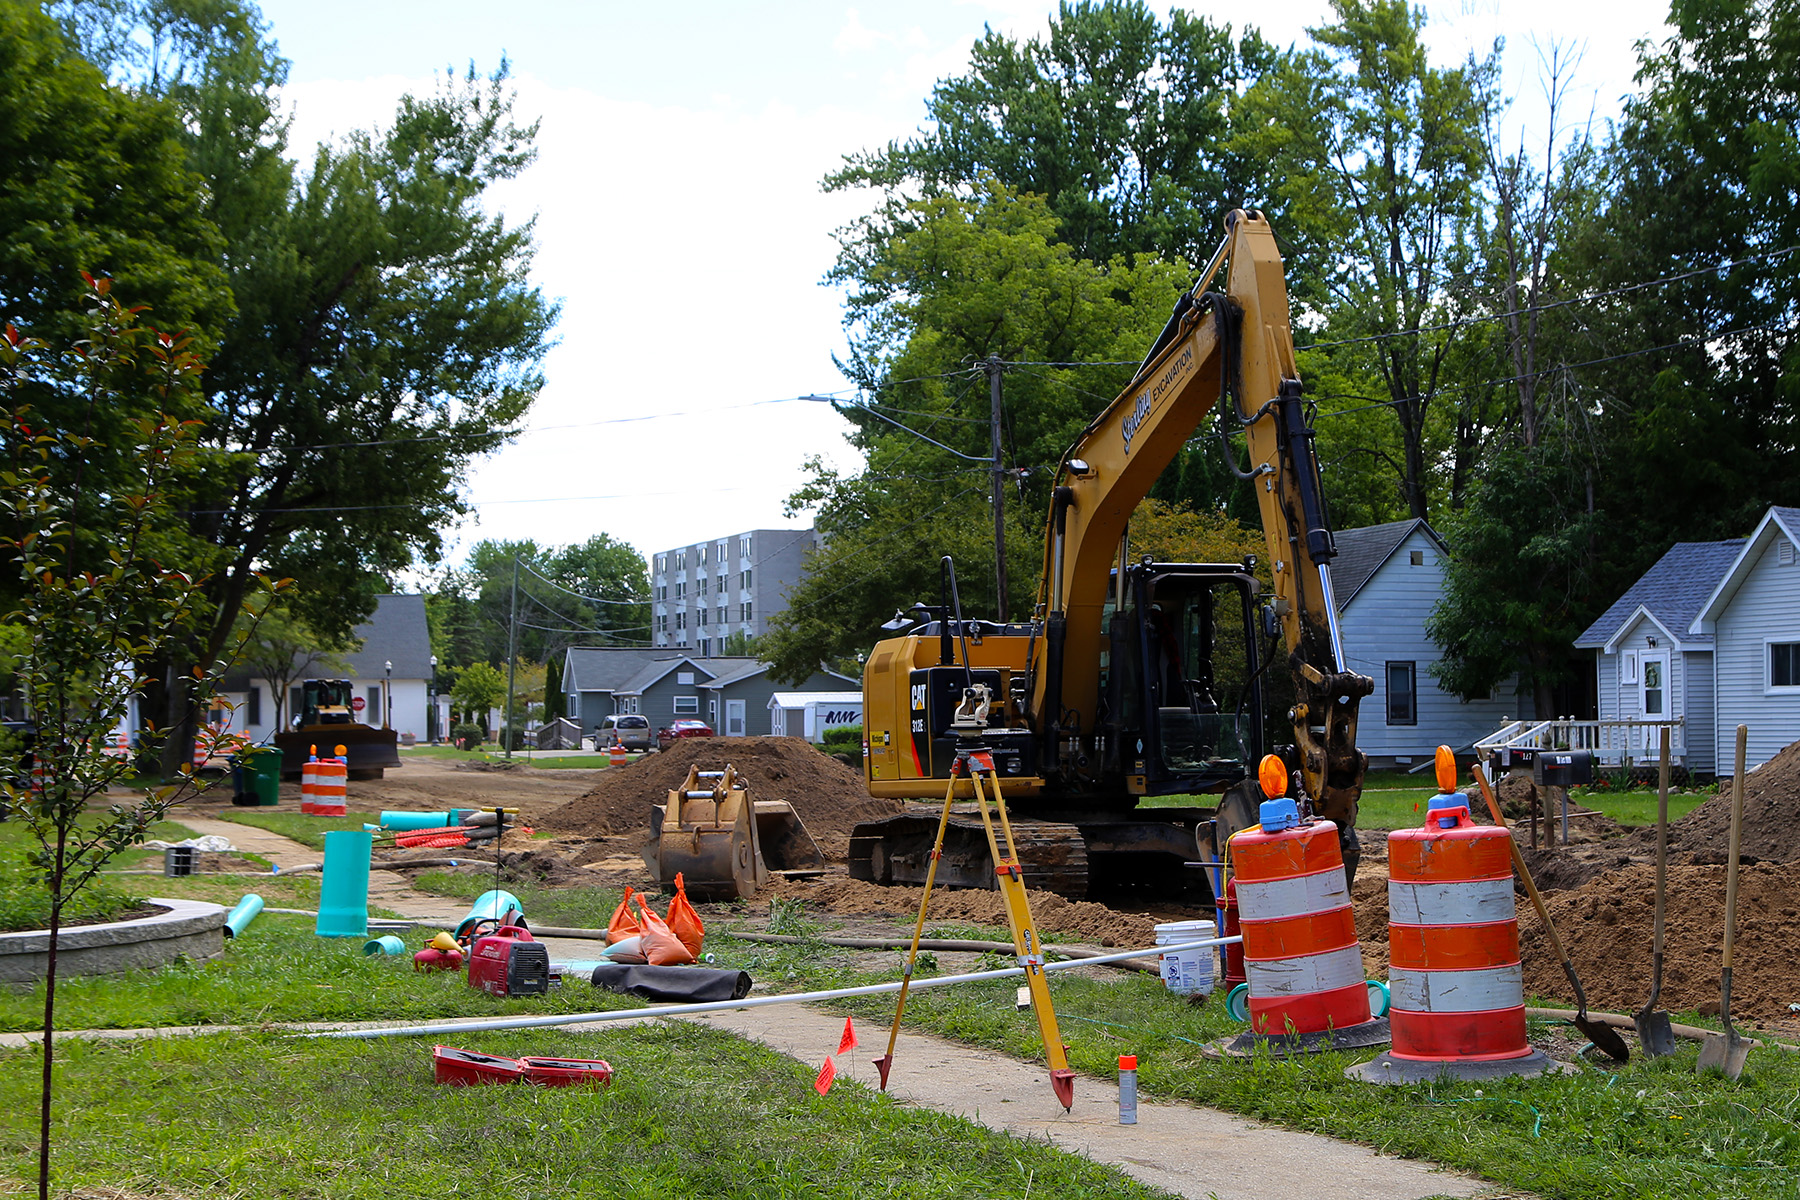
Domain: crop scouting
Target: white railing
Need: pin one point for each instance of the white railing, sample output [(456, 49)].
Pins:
[(1613, 743)]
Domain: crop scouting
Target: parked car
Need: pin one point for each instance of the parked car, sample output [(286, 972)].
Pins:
[(665, 737), (624, 729)]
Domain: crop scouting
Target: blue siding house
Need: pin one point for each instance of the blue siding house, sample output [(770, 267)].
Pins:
[(1387, 578), (1650, 664), (1753, 617)]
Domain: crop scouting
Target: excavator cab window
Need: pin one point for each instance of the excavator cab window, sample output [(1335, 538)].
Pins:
[(1196, 670)]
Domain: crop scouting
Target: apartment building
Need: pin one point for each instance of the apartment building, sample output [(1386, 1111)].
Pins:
[(707, 591)]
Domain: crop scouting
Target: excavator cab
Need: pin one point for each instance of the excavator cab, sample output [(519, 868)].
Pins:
[(324, 702), (1183, 701)]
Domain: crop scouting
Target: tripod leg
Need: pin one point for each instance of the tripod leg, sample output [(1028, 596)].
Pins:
[(886, 1061), (1024, 932)]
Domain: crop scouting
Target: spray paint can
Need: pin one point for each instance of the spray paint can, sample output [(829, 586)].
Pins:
[(1128, 1089)]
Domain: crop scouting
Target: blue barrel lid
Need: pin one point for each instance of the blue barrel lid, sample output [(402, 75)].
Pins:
[(1279, 814), (1446, 802)]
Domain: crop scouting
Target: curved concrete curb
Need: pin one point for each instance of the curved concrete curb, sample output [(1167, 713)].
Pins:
[(190, 929)]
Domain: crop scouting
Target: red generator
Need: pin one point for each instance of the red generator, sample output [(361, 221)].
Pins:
[(508, 962)]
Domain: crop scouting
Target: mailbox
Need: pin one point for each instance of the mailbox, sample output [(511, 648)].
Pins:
[(1562, 768)]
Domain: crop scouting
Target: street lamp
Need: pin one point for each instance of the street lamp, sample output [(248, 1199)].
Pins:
[(431, 716), (387, 696)]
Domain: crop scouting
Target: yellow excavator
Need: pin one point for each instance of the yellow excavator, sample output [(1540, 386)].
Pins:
[(1137, 678)]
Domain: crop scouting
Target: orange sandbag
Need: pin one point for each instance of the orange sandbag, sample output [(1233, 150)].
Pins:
[(659, 944), (684, 922), (623, 924)]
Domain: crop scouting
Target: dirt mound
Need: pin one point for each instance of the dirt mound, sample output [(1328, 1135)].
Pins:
[(1051, 913), (829, 796), (1771, 818)]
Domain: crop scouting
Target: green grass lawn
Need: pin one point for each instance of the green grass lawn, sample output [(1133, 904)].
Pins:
[(692, 1112), (543, 759)]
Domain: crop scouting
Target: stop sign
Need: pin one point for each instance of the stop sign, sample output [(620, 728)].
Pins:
[(357, 703)]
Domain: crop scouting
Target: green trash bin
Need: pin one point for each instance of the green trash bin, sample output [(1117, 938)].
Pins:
[(256, 776)]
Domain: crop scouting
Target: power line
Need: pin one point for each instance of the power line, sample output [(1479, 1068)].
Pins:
[(588, 599)]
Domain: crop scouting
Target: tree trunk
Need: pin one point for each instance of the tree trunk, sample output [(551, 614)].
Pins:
[(56, 903)]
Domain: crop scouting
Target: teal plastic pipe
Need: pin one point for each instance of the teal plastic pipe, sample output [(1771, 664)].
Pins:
[(414, 820), (491, 905), (344, 884), (242, 913)]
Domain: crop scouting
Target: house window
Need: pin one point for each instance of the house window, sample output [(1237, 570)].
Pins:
[(719, 557), (700, 618), (574, 705), (746, 615), (662, 563), (1402, 694), (1784, 664), (681, 560), (1418, 558), (744, 577), (374, 713), (701, 554), (253, 707), (744, 545), (687, 706), (685, 678), (705, 643), (1655, 686), (681, 622), (680, 589), (700, 587)]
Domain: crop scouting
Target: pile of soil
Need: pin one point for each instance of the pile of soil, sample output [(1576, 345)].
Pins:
[(1606, 924), (1051, 913), (829, 796), (1771, 818)]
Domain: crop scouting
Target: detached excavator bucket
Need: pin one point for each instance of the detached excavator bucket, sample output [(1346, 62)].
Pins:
[(723, 843)]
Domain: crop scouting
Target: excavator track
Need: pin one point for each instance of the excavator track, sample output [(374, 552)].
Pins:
[(897, 850)]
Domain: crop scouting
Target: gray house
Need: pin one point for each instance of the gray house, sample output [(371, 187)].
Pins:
[(729, 694), (1650, 664), (1752, 615), (1386, 580)]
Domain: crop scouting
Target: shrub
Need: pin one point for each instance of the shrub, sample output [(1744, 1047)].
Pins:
[(466, 736), (841, 739)]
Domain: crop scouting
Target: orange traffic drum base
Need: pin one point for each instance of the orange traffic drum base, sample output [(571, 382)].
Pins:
[(1249, 1045), (1385, 1068)]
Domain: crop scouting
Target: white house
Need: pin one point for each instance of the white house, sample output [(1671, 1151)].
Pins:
[(1386, 579), (1649, 662), (389, 673), (1752, 615)]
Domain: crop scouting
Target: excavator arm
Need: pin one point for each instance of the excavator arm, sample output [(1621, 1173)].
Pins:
[(1236, 347)]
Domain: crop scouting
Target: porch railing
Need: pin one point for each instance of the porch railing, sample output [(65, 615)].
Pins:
[(1613, 743)]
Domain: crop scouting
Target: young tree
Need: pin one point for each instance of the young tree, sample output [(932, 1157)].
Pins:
[(92, 617), (478, 690)]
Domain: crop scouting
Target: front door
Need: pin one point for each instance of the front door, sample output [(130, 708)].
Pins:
[(734, 718), (1655, 696)]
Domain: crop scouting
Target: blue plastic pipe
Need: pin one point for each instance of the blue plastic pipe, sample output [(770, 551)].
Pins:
[(242, 913), (414, 820), (344, 884)]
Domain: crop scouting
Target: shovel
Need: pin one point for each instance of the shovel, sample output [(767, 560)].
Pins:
[(1605, 1038), (1726, 1052), (1654, 1032)]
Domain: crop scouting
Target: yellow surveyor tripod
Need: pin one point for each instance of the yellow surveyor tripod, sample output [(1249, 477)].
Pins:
[(975, 762)]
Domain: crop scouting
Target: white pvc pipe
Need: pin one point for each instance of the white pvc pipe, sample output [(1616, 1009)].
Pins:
[(682, 1010)]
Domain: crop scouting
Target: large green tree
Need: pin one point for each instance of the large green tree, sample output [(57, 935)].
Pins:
[(385, 330), (1378, 159), (1120, 122)]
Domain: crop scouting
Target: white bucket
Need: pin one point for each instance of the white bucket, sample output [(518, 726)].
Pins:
[(1186, 972)]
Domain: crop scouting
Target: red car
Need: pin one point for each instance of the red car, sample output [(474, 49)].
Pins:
[(665, 737)]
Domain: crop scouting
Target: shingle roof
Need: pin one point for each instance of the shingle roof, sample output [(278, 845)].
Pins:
[(397, 632), (1673, 591), (596, 670), (1362, 551)]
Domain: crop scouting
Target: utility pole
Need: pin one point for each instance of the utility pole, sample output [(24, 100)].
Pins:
[(512, 653), (993, 374)]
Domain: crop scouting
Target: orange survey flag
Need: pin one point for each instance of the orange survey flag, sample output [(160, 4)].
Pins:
[(684, 922), (623, 924), (660, 945)]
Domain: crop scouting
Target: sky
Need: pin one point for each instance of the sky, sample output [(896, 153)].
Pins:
[(681, 226)]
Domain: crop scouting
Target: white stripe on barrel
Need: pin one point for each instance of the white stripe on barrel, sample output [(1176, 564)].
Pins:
[(1301, 976), (1295, 896), (1473, 903)]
